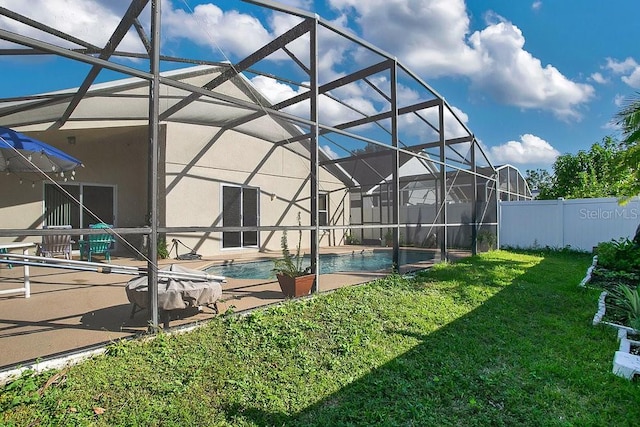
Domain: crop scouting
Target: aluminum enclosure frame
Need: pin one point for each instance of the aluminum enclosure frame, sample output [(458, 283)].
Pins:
[(440, 156)]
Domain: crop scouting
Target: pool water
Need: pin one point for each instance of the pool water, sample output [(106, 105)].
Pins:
[(357, 261)]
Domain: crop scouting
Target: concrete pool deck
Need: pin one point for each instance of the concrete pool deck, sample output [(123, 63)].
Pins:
[(71, 311)]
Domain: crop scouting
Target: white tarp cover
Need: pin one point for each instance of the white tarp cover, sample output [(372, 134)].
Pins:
[(175, 294)]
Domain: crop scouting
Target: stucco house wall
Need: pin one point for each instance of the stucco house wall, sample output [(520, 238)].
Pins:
[(195, 162), (112, 156), (201, 160), (110, 136)]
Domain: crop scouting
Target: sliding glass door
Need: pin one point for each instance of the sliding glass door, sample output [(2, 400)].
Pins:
[(239, 209), (61, 205)]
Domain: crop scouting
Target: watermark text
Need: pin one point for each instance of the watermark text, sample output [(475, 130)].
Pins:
[(619, 213)]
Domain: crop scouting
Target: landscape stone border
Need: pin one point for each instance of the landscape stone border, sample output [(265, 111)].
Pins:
[(587, 277), (625, 364)]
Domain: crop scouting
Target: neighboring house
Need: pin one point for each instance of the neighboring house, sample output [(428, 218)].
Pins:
[(210, 174)]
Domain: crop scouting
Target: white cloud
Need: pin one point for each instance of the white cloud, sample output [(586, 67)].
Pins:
[(629, 68), (633, 79), (91, 20), (514, 76), (619, 100), (429, 36), (599, 78), (360, 101), (273, 90), (329, 152), (611, 125), (208, 25), (529, 150), (331, 112), (537, 5), (621, 67), (453, 128), (95, 20), (433, 38)]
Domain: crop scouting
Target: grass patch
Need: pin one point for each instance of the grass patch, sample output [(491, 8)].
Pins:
[(497, 339)]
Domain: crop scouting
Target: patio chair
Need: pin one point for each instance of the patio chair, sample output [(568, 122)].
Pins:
[(5, 251), (97, 244), (55, 244)]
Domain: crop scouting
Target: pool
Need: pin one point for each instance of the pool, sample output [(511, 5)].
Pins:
[(356, 261)]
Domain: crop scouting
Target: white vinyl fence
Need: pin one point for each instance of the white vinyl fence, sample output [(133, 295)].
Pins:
[(578, 223)]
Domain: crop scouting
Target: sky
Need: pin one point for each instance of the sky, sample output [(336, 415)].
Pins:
[(533, 79)]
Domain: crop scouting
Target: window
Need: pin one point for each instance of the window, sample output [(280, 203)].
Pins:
[(323, 209), (239, 209)]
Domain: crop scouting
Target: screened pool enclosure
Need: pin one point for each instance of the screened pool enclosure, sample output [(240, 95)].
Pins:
[(224, 149)]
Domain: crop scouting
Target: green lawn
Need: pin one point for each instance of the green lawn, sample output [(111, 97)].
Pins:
[(498, 339)]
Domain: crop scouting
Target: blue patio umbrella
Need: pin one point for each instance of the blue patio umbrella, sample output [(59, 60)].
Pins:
[(21, 153)]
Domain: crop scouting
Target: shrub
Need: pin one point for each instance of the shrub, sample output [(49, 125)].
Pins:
[(351, 240), (628, 300), (163, 251), (621, 255)]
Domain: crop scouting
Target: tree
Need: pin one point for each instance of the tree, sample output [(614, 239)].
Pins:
[(539, 180), (629, 120), (587, 174)]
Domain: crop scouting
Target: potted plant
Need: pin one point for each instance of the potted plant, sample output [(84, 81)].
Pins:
[(294, 280)]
